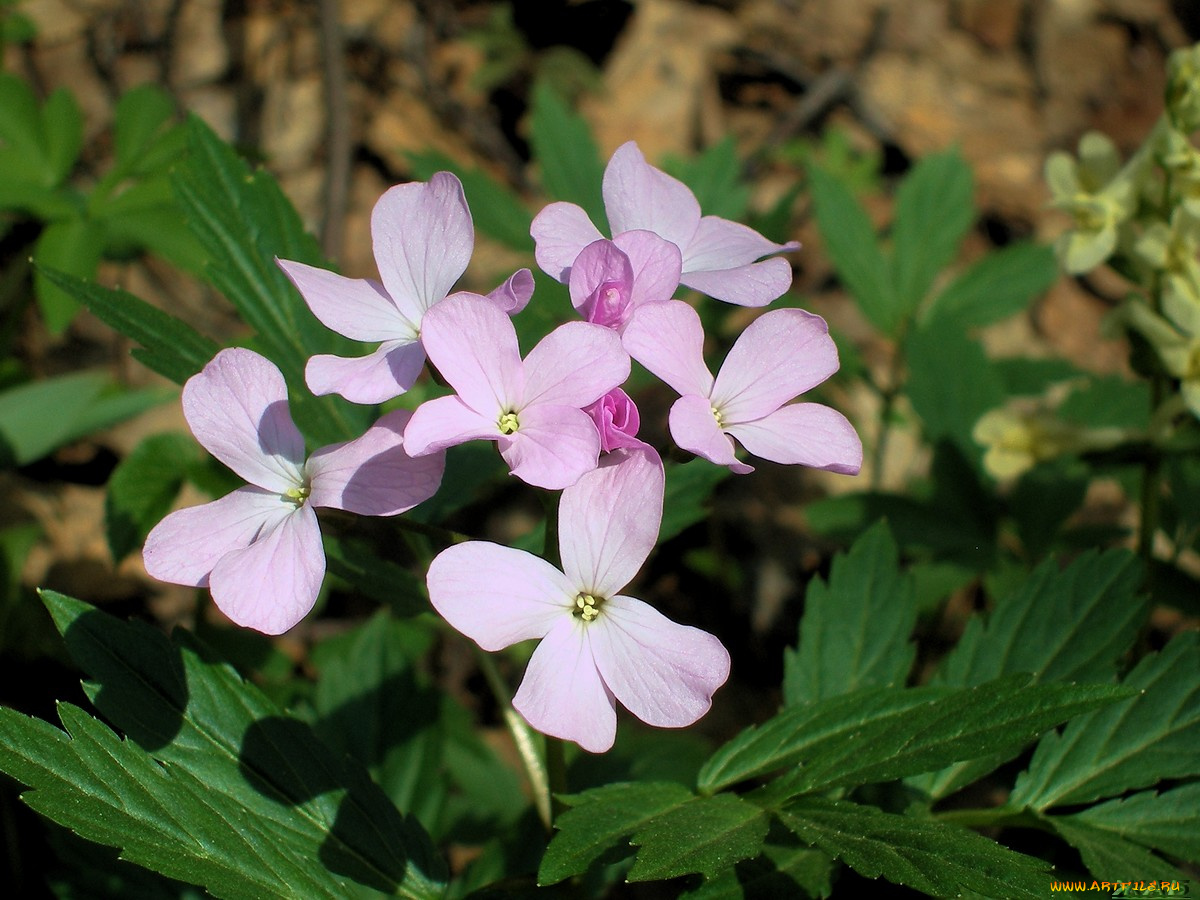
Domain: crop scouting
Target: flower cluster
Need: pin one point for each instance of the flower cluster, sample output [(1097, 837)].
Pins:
[(558, 416)]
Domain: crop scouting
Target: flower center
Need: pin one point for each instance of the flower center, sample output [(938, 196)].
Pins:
[(587, 607), (297, 495), (717, 415), (508, 423)]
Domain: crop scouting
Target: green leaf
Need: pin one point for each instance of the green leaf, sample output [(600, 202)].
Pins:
[(1026, 376), (1109, 401), (62, 129), (950, 407), (244, 222), (142, 488), (138, 118), (1061, 626), (601, 819), (856, 627), (882, 734), (82, 402), (715, 177), (1132, 744), (72, 246), (933, 857), (1165, 821), (22, 150), (1106, 854), (170, 346), (933, 212), (566, 153), (1001, 284), (689, 487), (785, 868), (854, 250), (369, 571), (1043, 499), (278, 799), (705, 835), (496, 210)]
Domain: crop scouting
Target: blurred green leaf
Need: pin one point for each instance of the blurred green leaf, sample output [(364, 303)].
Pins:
[(715, 177), (934, 209), (371, 572), (1108, 401), (22, 145), (1043, 499), (62, 128), (143, 487), (935, 858), (1026, 376), (689, 488), (566, 153), (1134, 744), (856, 626), (72, 246), (140, 115), (1001, 284)]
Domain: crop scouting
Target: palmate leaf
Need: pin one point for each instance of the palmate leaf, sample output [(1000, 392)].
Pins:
[(878, 735), (1132, 744), (935, 857), (1001, 284), (705, 835), (1107, 855), (856, 627), (197, 723), (1070, 625), (1166, 821)]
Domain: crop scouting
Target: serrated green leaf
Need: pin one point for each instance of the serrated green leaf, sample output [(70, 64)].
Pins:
[(72, 246), (715, 177), (1165, 822), (1001, 284), (882, 734), (495, 209), (1063, 626), (244, 222), (62, 129), (566, 153), (856, 627), (82, 402), (950, 407), (1107, 855), (689, 487), (170, 346), (933, 212), (199, 719), (783, 869), (601, 819), (854, 250), (934, 857), (1132, 744), (705, 835), (142, 488)]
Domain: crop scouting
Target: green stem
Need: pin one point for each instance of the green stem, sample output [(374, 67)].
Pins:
[(556, 766), (524, 738)]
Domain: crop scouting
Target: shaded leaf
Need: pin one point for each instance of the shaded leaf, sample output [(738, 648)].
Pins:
[(566, 153), (715, 177), (689, 488), (1001, 284), (142, 488), (1165, 821), (705, 835), (371, 572), (1105, 853), (73, 246)]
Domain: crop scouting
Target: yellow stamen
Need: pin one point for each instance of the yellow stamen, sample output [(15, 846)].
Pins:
[(508, 423), (587, 607)]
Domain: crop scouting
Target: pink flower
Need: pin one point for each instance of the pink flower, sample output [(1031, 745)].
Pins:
[(259, 549), (610, 279), (718, 256), (617, 420), (532, 409), (781, 354), (598, 646), (422, 236)]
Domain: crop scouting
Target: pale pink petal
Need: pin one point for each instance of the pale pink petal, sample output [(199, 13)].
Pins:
[(422, 236), (721, 244), (374, 475), (755, 284), (617, 420), (474, 345), (608, 520), (639, 196), (272, 584), (574, 365), (656, 265), (668, 339), (806, 434), (513, 296), (184, 547), (387, 372), (779, 356), (497, 595), (695, 429), (356, 307), (561, 231), (601, 284), (237, 408), (552, 446), (562, 694), (662, 672), (445, 422)]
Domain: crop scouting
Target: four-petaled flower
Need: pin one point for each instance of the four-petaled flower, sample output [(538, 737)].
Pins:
[(422, 237), (780, 355), (532, 409), (597, 646), (259, 549), (718, 257)]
